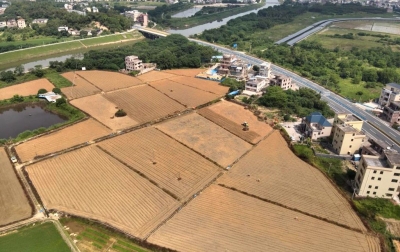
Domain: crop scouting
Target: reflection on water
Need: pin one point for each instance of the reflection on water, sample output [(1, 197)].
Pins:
[(21, 117)]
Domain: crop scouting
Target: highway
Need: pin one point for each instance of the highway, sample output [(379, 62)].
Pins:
[(336, 102)]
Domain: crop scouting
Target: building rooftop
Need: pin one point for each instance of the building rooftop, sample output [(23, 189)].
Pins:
[(349, 129), (348, 117), (393, 85), (317, 117), (393, 157), (375, 161)]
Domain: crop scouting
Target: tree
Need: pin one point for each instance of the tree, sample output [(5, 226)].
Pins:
[(19, 70), (56, 90), (166, 60), (120, 113), (274, 97), (256, 68), (7, 76), (60, 102), (41, 91), (38, 71)]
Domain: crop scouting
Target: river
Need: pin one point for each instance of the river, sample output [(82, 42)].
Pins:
[(200, 28)]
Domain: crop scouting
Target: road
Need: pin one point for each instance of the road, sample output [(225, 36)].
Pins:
[(336, 102)]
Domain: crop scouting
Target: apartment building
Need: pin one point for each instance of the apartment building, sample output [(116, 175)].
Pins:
[(376, 148), (391, 112), (133, 63), (256, 84), (316, 126), (390, 93), (347, 134), (378, 176), (283, 81)]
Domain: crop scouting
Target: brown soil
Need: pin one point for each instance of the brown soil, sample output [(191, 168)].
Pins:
[(144, 103), (108, 81), (155, 75), (81, 89), (188, 96), (25, 89), (206, 137), (221, 219), (14, 205), (186, 72), (62, 139), (230, 116), (104, 111), (271, 171), (206, 85), (91, 184)]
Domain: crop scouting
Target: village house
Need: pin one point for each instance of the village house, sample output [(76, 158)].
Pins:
[(40, 21), (283, 81), (133, 63), (11, 23), (347, 133), (143, 19), (21, 23), (390, 93), (3, 24), (378, 176), (316, 126)]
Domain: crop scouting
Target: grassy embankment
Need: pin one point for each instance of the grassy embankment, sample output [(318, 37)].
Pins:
[(6, 59), (97, 237), (39, 238), (370, 209), (184, 23), (36, 41)]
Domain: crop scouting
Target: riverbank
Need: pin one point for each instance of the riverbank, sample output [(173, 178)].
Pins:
[(184, 23), (17, 57)]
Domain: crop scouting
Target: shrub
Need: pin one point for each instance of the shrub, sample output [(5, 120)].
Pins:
[(42, 91), (120, 113), (60, 102), (56, 90), (134, 73), (17, 98)]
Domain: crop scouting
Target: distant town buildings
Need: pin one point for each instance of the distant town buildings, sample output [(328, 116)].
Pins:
[(378, 176), (2, 10), (40, 21), (390, 93), (316, 126), (137, 17)]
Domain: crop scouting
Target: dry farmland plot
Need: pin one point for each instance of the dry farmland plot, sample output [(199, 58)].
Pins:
[(177, 168), (82, 87), (144, 103), (154, 76), (14, 205), (220, 219), (103, 110), (62, 139), (188, 96), (90, 183), (205, 85), (186, 72), (286, 179), (206, 137), (230, 116), (108, 81), (25, 89)]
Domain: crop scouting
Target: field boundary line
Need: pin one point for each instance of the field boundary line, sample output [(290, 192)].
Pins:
[(195, 87), (166, 95), (184, 204), (292, 209), (140, 173), (202, 155)]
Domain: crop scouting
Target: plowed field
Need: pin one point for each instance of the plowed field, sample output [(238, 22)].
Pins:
[(188, 96), (154, 76), (186, 72), (220, 219), (103, 110), (144, 103), (173, 161), (286, 179), (89, 183), (62, 139), (207, 138), (82, 87), (230, 116), (25, 89), (14, 205), (206, 85), (108, 81)]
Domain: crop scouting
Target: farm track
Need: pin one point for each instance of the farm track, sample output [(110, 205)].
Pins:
[(222, 223)]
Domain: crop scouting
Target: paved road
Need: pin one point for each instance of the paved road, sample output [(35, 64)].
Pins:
[(338, 103)]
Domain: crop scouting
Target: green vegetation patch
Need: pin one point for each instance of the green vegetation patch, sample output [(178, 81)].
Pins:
[(376, 206), (39, 238), (58, 80)]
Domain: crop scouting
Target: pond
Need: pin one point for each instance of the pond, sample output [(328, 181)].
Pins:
[(21, 117)]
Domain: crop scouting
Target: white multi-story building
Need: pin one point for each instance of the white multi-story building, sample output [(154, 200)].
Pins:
[(133, 63), (21, 23), (256, 84), (378, 176), (390, 93), (265, 70), (3, 24), (40, 21)]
